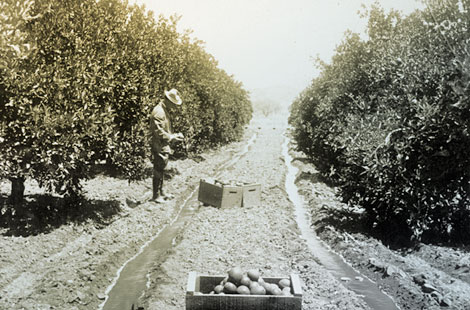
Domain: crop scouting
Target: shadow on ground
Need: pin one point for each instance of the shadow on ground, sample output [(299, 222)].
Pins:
[(311, 176), (352, 221), (302, 159), (342, 219), (314, 177), (44, 213)]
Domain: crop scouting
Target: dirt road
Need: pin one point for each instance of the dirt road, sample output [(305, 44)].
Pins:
[(264, 236), (72, 261)]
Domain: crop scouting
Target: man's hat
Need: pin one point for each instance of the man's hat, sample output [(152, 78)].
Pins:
[(173, 96)]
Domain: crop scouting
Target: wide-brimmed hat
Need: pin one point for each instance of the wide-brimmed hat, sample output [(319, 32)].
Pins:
[(173, 96)]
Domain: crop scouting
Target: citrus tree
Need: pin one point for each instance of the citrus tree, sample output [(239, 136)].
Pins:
[(78, 80), (387, 121)]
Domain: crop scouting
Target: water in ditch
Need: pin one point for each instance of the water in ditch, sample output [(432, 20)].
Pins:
[(334, 263), (133, 277)]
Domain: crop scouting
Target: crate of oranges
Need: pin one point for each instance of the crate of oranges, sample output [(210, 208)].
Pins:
[(239, 290)]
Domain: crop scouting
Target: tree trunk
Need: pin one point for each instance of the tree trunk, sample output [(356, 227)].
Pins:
[(17, 190)]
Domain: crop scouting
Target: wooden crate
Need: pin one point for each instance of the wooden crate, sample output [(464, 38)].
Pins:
[(198, 297), (220, 195), (251, 195)]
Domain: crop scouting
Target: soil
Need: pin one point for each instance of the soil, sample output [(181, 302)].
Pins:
[(56, 256), (423, 277)]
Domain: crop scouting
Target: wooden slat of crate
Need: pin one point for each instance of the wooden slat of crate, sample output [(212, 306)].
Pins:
[(251, 195), (198, 297), (220, 196)]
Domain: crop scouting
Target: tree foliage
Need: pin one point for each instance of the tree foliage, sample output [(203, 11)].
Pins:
[(78, 80), (387, 121)]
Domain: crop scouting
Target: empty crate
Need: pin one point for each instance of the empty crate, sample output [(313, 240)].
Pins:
[(219, 195), (251, 195)]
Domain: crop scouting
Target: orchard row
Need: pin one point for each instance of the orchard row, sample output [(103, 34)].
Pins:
[(78, 80), (387, 122)]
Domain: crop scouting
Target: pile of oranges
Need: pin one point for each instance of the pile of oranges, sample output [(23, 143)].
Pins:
[(251, 283)]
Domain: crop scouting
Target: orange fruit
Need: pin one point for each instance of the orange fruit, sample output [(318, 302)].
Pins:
[(276, 291), (245, 281), (253, 274), (257, 289), (243, 290), (230, 288), (286, 291), (218, 289), (235, 275), (284, 283)]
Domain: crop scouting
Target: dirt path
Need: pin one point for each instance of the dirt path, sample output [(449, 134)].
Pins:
[(264, 236), (53, 261), (70, 266), (62, 261)]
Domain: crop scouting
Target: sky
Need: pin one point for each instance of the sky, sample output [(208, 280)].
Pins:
[(270, 45)]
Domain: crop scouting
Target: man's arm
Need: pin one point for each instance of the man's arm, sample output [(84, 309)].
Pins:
[(158, 121)]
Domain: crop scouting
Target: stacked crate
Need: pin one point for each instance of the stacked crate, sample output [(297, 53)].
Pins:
[(224, 195)]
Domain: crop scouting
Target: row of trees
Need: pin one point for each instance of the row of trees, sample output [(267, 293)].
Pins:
[(78, 80), (388, 121)]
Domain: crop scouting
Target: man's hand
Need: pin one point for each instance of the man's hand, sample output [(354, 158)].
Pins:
[(178, 136)]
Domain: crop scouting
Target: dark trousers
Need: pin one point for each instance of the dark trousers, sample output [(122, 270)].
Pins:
[(159, 164)]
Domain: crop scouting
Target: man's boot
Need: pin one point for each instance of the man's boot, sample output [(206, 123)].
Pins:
[(157, 185)]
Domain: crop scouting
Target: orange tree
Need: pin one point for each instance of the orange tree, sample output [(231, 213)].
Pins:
[(78, 80), (387, 121), (219, 106)]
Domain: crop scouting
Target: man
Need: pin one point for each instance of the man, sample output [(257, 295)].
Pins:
[(161, 137)]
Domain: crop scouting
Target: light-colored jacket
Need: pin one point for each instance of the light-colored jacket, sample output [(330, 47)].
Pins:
[(160, 130)]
